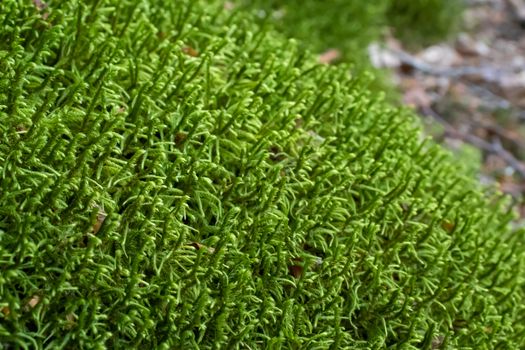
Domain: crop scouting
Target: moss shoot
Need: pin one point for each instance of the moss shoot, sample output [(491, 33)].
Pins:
[(175, 176)]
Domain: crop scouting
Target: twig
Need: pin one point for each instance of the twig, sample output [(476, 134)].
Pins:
[(487, 73), (493, 148)]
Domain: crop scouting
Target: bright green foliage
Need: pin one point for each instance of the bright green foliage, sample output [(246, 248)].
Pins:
[(252, 198)]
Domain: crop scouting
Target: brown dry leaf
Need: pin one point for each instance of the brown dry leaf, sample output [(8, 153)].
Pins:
[(6, 311), (180, 137), (448, 226), (329, 56), (228, 5), (190, 51), (296, 270), (200, 246), (101, 217), (35, 299)]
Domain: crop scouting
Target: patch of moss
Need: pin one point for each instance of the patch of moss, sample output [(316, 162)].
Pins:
[(173, 175), (351, 25), (423, 22), (321, 25)]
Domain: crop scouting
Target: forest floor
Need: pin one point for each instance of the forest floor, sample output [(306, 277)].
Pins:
[(470, 90)]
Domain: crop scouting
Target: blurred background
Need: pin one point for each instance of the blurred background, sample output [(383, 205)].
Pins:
[(460, 64)]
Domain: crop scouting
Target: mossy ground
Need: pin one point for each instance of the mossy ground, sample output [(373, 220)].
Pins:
[(350, 26), (175, 176)]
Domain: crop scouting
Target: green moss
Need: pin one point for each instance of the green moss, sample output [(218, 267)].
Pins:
[(420, 22), (351, 25), (321, 25), (174, 176)]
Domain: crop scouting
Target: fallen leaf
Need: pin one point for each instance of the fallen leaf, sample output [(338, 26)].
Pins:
[(190, 51), (296, 270), (180, 137), (6, 311), (329, 56), (101, 217), (35, 299), (448, 226)]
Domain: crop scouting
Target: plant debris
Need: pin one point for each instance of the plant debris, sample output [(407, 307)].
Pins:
[(473, 86)]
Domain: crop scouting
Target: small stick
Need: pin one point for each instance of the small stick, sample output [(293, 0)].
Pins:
[(488, 73)]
